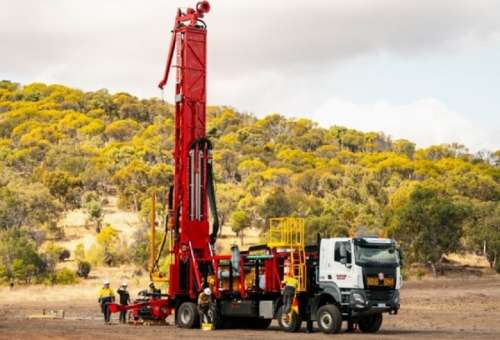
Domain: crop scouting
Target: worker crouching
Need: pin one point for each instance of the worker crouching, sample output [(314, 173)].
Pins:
[(105, 297), (205, 305)]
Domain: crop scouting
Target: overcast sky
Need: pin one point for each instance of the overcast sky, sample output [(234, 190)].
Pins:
[(428, 71)]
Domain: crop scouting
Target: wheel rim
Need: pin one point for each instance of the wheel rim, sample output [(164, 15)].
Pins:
[(185, 316), (286, 319), (326, 320)]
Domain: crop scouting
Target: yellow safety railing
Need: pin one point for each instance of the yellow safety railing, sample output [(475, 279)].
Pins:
[(288, 233), (155, 274)]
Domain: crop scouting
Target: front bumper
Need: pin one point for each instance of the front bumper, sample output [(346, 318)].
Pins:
[(364, 302)]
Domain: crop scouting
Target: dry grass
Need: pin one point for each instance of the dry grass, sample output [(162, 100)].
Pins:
[(77, 230), (468, 259), (84, 290)]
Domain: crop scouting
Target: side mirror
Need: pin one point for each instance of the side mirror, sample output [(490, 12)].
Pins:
[(401, 257)]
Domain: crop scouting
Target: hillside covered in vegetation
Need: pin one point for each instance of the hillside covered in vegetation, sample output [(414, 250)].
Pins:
[(62, 148)]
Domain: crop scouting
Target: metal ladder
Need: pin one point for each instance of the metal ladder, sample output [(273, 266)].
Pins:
[(288, 233)]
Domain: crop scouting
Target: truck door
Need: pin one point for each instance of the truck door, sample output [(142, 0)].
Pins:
[(342, 271)]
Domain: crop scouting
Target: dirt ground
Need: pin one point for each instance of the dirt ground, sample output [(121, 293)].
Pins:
[(433, 309)]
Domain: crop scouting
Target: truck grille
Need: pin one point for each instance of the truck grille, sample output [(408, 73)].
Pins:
[(380, 295)]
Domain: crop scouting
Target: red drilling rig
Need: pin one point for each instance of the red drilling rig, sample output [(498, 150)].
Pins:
[(246, 285)]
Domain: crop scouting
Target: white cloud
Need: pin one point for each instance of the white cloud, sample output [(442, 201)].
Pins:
[(425, 121), (264, 56)]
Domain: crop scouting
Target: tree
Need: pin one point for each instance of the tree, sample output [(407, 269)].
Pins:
[(326, 226), (428, 225), (65, 187), (122, 130), (239, 222), (402, 146), (482, 230), (133, 181), (19, 259), (276, 204), (22, 205), (95, 213)]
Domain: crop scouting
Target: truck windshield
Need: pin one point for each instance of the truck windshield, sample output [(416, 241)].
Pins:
[(370, 254)]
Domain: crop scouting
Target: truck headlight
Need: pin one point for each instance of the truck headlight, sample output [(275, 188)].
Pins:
[(358, 299)]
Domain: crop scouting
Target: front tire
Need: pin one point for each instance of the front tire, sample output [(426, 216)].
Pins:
[(371, 323), (290, 322), (187, 315), (329, 319)]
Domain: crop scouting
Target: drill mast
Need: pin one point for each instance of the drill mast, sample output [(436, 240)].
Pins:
[(193, 182)]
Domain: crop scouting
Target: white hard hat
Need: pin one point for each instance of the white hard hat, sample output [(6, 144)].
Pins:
[(124, 284), (207, 291), (106, 282)]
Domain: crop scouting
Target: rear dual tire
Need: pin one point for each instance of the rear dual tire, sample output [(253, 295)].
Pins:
[(290, 322)]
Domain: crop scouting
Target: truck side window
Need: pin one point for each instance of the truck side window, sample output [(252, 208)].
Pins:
[(347, 246)]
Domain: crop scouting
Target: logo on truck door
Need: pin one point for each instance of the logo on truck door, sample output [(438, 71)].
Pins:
[(341, 276)]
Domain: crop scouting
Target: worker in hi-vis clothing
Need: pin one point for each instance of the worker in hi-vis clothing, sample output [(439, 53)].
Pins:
[(291, 284), (105, 297), (205, 302)]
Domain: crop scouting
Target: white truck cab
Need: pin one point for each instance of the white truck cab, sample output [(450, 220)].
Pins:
[(342, 260), (363, 274)]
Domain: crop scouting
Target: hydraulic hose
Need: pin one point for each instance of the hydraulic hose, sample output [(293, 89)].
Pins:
[(201, 143)]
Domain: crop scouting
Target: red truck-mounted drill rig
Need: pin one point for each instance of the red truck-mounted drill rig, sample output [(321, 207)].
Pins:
[(338, 280)]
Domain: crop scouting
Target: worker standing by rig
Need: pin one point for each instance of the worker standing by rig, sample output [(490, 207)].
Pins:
[(105, 297), (124, 301)]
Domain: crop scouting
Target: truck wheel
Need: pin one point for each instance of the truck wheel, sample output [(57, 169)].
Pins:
[(329, 319), (290, 322), (187, 315), (371, 323)]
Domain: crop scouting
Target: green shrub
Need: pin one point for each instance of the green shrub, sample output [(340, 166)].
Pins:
[(64, 276), (420, 274), (54, 254), (108, 249), (84, 268), (79, 253), (64, 255)]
